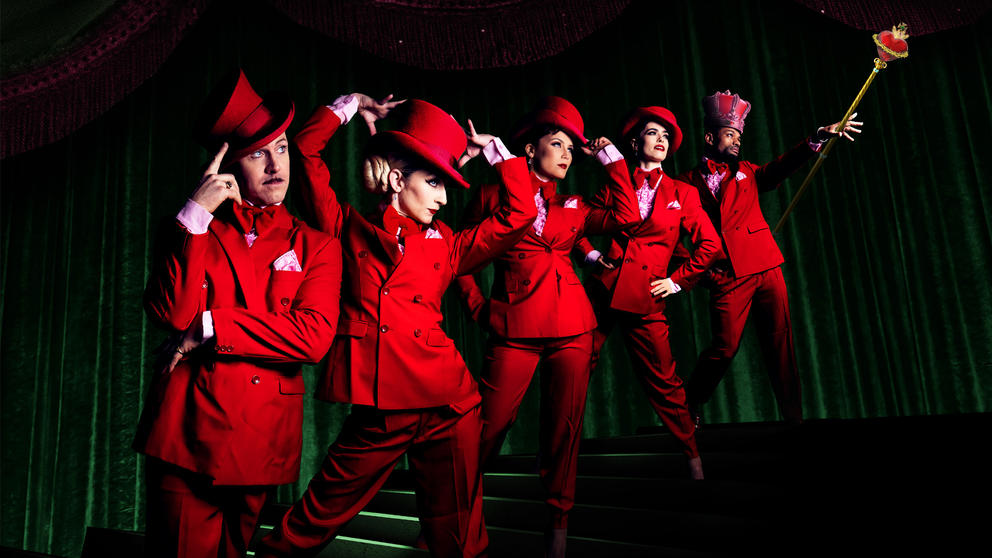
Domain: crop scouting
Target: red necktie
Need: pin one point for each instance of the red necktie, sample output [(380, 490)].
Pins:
[(716, 168), (651, 176), (259, 219)]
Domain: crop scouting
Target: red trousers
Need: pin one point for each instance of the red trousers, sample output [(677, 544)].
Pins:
[(509, 368), (443, 451), (646, 339), (731, 299), (188, 516)]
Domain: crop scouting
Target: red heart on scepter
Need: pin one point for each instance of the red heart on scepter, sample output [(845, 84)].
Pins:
[(892, 44)]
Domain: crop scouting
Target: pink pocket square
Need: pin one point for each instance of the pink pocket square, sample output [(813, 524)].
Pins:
[(287, 262), (572, 203), (674, 205)]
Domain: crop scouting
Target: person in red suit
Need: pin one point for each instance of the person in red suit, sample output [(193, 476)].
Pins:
[(747, 274), (251, 294), (537, 308), (410, 389), (630, 284)]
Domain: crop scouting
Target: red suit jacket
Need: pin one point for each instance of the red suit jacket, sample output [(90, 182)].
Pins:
[(233, 410), (736, 215), (390, 351), (536, 292), (643, 252)]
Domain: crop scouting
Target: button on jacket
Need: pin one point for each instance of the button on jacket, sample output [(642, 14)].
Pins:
[(642, 253), (391, 351), (536, 292), (235, 412)]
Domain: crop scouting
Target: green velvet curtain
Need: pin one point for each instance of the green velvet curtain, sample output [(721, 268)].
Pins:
[(889, 255)]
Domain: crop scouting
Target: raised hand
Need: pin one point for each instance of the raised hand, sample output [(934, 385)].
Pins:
[(827, 132), (215, 188), (595, 146), (476, 142), (372, 110)]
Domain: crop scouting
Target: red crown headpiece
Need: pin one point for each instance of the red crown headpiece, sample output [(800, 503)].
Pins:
[(724, 109)]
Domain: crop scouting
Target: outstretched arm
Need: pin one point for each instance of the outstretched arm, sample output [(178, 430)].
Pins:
[(769, 176)]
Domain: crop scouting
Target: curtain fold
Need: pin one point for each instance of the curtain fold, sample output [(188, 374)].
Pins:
[(889, 255)]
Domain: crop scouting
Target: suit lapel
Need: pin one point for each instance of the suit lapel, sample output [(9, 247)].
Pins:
[(238, 253)]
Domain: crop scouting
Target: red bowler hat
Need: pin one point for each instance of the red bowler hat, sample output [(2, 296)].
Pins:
[(660, 115), (553, 111), (725, 109), (234, 113), (428, 132)]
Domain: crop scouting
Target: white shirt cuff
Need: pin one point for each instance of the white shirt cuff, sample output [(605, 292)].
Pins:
[(496, 152), (593, 256), (609, 154), (345, 107), (194, 217), (208, 325), (673, 286)]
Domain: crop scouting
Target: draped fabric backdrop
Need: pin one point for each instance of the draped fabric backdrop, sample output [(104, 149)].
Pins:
[(889, 255)]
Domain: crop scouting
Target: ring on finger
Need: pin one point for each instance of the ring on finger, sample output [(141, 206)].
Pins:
[(229, 185)]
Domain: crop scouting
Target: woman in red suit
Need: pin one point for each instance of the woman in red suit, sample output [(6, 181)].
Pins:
[(538, 309), (410, 390), (631, 282)]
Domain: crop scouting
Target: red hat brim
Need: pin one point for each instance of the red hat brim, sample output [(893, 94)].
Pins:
[(658, 114), (435, 157), (548, 117), (283, 110)]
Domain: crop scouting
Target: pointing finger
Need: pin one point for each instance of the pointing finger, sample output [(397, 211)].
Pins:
[(214, 165)]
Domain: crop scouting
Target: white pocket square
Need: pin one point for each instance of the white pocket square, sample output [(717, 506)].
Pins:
[(572, 203), (674, 204), (287, 262), (741, 176)]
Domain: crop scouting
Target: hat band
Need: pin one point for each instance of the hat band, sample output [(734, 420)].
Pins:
[(440, 153), (255, 121)]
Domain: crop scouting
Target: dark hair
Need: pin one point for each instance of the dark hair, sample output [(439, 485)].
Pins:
[(636, 130), (532, 136)]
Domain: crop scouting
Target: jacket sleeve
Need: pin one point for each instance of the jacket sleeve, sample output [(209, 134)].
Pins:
[(467, 286), (614, 207), (302, 334), (705, 242), (479, 244), (174, 294), (318, 195), (770, 175)]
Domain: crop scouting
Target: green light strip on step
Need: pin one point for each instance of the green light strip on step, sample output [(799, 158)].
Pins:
[(388, 516)]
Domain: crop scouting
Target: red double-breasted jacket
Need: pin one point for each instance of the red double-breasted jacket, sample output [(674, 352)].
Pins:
[(390, 351), (736, 213), (536, 292), (642, 253), (233, 410)]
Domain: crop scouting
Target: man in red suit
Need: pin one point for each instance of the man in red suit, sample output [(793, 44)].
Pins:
[(747, 273), (251, 294)]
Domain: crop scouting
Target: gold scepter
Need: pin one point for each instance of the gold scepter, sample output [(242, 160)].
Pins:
[(891, 45)]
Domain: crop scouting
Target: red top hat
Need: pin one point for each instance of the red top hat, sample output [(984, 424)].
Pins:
[(553, 111), (234, 113), (660, 115), (428, 132), (724, 109)]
